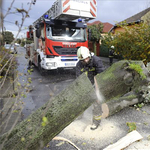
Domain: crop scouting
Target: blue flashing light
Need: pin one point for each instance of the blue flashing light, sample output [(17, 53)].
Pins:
[(46, 16), (79, 20), (75, 59), (64, 58), (69, 59)]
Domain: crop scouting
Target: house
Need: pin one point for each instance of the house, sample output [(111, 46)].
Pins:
[(143, 16), (106, 28)]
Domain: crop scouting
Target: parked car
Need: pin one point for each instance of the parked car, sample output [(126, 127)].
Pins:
[(16, 44), (12, 48)]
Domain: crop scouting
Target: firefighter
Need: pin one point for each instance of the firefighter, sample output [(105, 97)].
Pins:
[(91, 65), (111, 55)]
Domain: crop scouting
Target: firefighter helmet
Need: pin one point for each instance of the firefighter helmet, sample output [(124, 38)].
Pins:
[(112, 47), (83, 53)]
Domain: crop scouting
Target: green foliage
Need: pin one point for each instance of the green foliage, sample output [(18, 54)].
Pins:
[(44, 121), (96, 31), (138, 69), (104, 51), (23, 95), (145, 123), (22, 139), (18, 41), (8, 37), (29, 80), (132, 126), (28, 41), (4, 57), (15, 111), (107, 40), (140, 105), (133, 43)]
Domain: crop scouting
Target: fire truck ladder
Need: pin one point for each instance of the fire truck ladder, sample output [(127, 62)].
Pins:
[(51, 13), (57, 12)]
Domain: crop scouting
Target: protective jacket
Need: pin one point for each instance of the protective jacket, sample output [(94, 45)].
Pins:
[(94, 67), (111, 53)]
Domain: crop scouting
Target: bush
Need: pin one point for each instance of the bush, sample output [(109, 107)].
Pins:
[(133, 43), (104, 51), (8, 62)]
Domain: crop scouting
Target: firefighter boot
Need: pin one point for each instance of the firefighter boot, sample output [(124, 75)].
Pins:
[(96, 122), (94, 126)]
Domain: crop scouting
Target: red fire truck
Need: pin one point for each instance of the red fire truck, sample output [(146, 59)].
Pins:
[(59, 33)]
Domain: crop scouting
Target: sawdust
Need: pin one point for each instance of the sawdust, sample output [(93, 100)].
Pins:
[(81, 130)]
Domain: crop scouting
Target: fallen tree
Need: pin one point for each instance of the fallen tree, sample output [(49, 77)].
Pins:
[(124, 83)]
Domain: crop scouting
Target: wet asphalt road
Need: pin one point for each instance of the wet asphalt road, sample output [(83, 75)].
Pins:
[(111, 129), (43, 87)]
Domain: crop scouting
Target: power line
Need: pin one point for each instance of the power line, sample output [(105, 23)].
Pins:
[(14, 23), (13, 14), (9, 22)]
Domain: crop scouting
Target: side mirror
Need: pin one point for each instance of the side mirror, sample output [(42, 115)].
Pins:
[(89, 34), (38, 33)]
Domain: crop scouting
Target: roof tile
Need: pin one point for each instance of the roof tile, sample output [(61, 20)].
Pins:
[(107, 26)]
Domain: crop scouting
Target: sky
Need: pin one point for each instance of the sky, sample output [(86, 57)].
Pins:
[(111, 11)]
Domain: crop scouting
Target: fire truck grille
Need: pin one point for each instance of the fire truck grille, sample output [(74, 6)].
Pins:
[(65, 51)]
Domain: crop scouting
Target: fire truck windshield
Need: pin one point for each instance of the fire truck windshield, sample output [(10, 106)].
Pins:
[(65, 33)]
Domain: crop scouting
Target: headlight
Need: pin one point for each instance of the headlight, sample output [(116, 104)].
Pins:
[(51, 64)]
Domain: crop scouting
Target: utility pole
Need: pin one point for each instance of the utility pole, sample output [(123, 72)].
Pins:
[(1, 24)]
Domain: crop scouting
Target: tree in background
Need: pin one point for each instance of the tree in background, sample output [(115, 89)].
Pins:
[(133, 43), (18, 41), (26, 41), (8, 37), (96, 31)]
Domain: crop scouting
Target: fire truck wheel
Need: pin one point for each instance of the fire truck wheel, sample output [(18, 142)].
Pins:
[(30, 63), (42, 71)]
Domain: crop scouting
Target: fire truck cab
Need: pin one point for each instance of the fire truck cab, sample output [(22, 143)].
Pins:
[(59, 33)]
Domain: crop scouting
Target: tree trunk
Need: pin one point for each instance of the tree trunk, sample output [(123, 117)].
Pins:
[(119, 86), (36, 131), (119, 79)]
